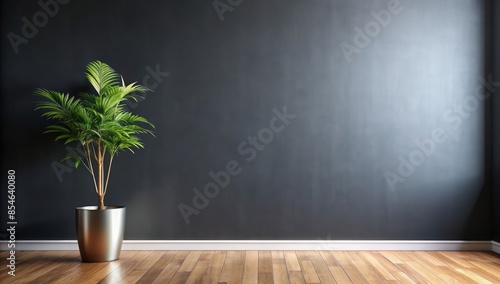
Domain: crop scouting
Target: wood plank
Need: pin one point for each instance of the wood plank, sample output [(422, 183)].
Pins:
[(190, 261), (27, 266), (278, 257), (464, 255), (403, 256), (386, 263), (363, 268), (324, 274), (333, 265), (140, 270), (265, 278), (46, 269), (68, 264), (280, 274), (446, 272), (406, 273), (251, 267), (215, 268), (476, 278), (410, 272), (489, 268), (392, 257), (78, 273), (83, 272), (236, 272), (118, 274), (459, 257), (481, 273), (302, 255), (428, 275), (102, 269), (348, 267), (481, 256), (429, 258), (392, 268), (201, 267), (310, 274), (296, 277), (168, 272), (232, 270), (455, 274), (487, 256), (24, 259), (339, 274), (329, 259), (292, 263), (443, 257), (376, 266), (157, 267), (265, 267), (180, 277), (6, 253), (226, 268)]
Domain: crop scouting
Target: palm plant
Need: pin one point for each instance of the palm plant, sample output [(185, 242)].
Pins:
[(98, 122)]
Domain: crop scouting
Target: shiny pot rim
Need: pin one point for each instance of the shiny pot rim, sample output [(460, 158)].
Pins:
[(94, 208)]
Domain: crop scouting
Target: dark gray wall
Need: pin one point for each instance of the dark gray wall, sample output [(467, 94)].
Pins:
[(358, 119), (496, 120)]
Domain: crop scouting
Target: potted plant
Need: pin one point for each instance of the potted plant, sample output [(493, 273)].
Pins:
[(101, 127)]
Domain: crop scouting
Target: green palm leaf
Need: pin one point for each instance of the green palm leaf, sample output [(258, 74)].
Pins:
[(97, 121), (101, 76)]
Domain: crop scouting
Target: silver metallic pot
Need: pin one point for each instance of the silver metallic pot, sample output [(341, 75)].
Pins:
[(100, 232)]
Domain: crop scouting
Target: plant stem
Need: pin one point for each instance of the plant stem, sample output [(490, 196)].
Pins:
[(101, 202), (100, 172), (109, 171), (91, 168)]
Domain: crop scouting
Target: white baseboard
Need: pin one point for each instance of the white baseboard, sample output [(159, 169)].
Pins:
[(268, 245), (495, 247)]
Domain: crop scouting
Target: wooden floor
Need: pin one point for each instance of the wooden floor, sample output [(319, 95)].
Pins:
[(257, 267)]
